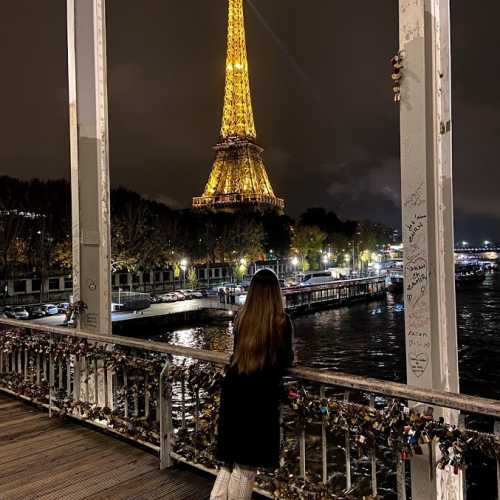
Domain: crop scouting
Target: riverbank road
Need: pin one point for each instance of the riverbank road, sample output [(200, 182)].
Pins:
[(152, 311)]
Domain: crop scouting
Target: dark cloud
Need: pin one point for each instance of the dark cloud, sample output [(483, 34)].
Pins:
[(322, 99)]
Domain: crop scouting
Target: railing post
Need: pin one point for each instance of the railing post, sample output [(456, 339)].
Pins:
[(373, 459), (96, 381), (26, 363), (166, 423), (348, 480), (401, 478), (68, 377), (497, 433), (51, 377), (183, 401), (77, 379), (146, 397), (125, 391), (324, 441), (462, 426), (302, 450)]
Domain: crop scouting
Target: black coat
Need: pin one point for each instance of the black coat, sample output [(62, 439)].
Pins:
[(249, 418)]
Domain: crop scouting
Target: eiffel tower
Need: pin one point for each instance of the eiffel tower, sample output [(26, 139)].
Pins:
[(238, 178)]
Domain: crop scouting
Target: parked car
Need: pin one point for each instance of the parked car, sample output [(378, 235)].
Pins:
[(180, 295), (36, 312), (50, 309), (17, 313), (63, 307), (232, 287), (155, 299), (169, 297), (197, 294)]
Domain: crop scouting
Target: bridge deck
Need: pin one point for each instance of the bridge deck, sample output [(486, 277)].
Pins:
[(46, 459)]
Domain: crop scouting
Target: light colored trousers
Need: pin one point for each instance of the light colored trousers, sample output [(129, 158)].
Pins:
[(233, 485)]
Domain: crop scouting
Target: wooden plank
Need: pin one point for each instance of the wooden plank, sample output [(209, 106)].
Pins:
[(51, 459), (13, 414), (29, 445), (9, 424), (116, 475), (8, 405), (17, 432), (154, 485), (68, 474)]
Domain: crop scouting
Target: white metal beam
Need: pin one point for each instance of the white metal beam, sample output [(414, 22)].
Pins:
[(427, 199), (88, 108)]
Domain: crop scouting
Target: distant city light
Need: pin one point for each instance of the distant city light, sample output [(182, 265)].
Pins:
[(295, 261), (465, 243), (487, 243)]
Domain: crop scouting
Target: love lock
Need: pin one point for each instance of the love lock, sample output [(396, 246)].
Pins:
[(397, 75)]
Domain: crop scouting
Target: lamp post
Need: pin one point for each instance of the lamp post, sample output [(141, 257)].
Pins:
[(295, 263), (325, 261), (184, 264), (347, 259)]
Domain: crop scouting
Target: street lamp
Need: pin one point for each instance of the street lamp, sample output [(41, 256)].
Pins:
[(295, 263), (325, 260), (184, 264)]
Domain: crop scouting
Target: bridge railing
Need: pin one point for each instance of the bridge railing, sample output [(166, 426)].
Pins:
[(342, 435)]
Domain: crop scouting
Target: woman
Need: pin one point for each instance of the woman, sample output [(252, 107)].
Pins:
[(249, 427)]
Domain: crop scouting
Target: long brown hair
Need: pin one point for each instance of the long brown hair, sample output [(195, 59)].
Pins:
[(260, 324)]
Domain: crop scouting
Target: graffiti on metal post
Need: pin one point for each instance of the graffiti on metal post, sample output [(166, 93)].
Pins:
[(417, 283)]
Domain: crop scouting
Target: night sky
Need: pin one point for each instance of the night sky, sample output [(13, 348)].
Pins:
[(321, 90)]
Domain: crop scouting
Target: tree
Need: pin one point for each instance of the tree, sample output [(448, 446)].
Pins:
[(307, 242), (192, 277)]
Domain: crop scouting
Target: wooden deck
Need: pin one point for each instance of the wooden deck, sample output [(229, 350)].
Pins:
[(49, 459)]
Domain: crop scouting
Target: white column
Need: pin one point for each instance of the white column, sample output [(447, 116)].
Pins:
[(89, 161), (427, 199)]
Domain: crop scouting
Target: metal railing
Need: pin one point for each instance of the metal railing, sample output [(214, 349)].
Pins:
[(165, 397)]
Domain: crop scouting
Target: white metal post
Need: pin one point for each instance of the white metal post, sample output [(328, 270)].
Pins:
[(88, 106), (427, 200)]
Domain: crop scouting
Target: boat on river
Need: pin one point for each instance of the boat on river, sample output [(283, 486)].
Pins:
[(469, 274)]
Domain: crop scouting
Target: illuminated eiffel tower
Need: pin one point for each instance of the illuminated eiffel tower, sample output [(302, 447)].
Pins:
[(238, 176)]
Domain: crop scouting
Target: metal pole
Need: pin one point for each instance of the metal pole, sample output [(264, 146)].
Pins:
[(166, 424), (427, 203), (88, 109)]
